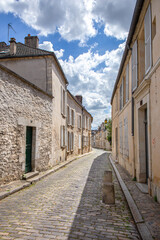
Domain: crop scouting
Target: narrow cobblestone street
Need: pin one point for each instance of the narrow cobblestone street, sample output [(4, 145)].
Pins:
[(67, 205)]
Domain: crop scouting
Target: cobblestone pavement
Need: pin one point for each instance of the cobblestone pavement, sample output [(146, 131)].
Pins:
[(67, 205), (149, 209)]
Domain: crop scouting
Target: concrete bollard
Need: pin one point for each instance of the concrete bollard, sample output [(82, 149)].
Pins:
[(108, 193), (107, 177)]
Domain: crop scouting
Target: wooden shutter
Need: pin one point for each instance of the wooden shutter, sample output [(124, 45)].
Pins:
[(70, 116), (121, 137), (65, 113), (127, 83), (147, 30), (134, 66), (61, 136), (121, 95), (73, 118), (65, 136), (72, 140), (61, 100), (79, 141)]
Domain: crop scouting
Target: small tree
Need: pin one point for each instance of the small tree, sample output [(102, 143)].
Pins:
[(108, 127)]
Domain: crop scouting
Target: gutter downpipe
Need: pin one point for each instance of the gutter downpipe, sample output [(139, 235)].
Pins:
[(82, 129)]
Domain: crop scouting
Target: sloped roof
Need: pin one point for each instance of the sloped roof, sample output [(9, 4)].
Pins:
[(23, 50)]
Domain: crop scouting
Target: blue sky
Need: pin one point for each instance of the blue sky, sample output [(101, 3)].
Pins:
[(88, 37)]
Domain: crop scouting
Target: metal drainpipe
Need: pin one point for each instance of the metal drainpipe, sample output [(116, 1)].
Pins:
[(82, 130), (46, 76)]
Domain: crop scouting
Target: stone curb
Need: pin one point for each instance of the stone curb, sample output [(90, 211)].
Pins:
[(139, 221), (28, 182)]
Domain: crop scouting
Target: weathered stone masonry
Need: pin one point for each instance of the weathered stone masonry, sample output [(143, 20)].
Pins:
[(21, 105)]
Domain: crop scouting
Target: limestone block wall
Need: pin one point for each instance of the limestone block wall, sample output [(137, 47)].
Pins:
[(21, 105)]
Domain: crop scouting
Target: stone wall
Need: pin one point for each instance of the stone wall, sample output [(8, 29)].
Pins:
[(21, 105)]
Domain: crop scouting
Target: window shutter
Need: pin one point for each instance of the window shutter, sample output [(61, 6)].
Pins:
[(65, 136), (79, 141), (127, 83), (73, 141), (67, 142), (65, 103), (61, 136), (73, 117), (70, 116), (61, 100), (121, 95), (147, 29), (134, 66)]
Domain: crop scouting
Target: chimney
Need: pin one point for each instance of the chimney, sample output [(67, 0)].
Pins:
[(79, 98), (32, 41), (3, 45), (13, 46)]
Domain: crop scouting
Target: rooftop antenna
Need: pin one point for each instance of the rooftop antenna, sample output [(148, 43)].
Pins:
[(10, 27)]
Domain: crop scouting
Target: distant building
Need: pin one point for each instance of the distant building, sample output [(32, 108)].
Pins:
[(35, 132), (136, 99), (99, 138)]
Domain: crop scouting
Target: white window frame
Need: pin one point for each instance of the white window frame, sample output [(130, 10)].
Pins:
[(121, 95), (63, 136), (148, 37), (63, 102), (80, 141), (134, 66), (121, 137), (127, 83)]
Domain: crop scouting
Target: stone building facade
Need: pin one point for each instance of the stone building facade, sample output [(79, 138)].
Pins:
[(99, 138), (39, 117), (23, 105), (78, 132), (135, 99)]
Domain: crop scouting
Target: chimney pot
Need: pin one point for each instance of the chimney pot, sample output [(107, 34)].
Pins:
[(13, 46)]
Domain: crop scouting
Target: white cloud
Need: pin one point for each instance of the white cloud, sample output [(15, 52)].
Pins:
[(93, 83), (74, 20), (46, 45), (115, 15)]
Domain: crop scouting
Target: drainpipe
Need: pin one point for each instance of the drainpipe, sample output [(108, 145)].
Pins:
[(82, 129), (134, 164)]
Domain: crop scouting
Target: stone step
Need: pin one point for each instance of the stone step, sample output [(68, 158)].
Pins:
[(29, 175)]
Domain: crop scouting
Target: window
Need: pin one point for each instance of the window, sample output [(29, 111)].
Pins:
[(89, 123), (63, 136), (68, 141), (68, 115), (79, 145), (127, 83), (147, 30), (72, 117), (72, 141), (120, 137), (86, 122), (134, 66), (79, 121), (121, 95), (63, 101), (126, 145)]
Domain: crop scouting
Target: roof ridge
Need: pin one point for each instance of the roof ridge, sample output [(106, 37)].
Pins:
[(36, 48)]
